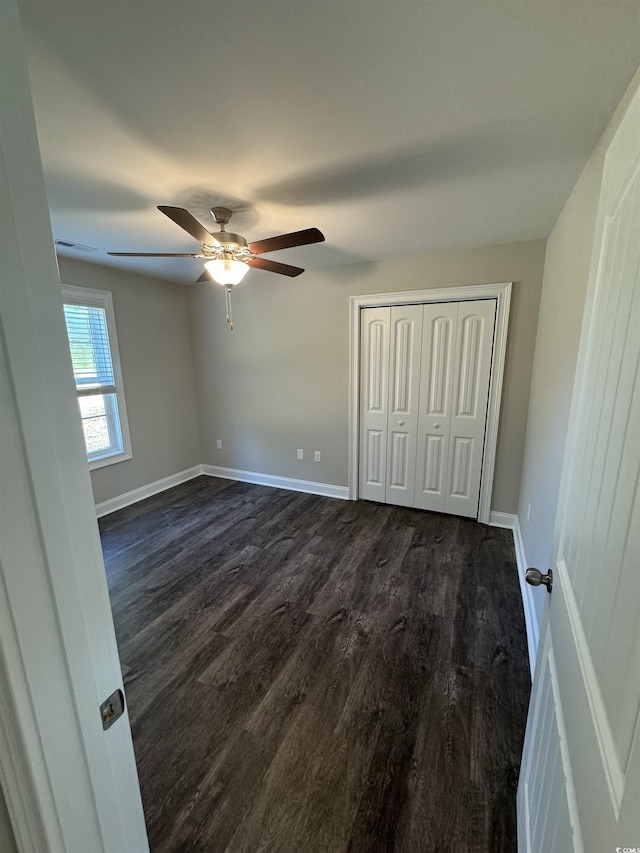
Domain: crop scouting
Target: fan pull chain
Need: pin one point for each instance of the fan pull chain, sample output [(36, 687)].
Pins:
[(229, 317)]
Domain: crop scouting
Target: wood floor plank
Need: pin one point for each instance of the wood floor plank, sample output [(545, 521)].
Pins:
[(307, 674)]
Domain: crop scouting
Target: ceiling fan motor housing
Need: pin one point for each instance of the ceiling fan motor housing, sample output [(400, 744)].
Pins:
[(228, 238)]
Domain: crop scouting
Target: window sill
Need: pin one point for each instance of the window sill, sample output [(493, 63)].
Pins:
[(109, 460)]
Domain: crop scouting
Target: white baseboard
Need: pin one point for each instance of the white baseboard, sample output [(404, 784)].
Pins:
[(505, 519), (502, 519), (128, 498), (325, 489)]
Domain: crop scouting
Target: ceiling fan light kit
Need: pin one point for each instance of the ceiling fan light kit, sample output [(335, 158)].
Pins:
[(226, 270), (228, 256)]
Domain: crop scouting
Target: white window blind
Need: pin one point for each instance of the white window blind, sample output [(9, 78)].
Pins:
[(90, 351), (96, 369)]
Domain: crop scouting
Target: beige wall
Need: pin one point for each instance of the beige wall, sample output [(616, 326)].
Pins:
[(280, 380), (155, 352), (564, 288)]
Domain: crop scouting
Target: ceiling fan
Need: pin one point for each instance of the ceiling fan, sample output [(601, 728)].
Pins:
[(228, 256)]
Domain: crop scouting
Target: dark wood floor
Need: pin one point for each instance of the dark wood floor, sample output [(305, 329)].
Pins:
[(309, 674)]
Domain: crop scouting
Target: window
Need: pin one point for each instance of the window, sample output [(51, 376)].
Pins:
[(96, 369)]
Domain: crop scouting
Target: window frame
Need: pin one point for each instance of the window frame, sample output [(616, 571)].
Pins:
[(72, 295)]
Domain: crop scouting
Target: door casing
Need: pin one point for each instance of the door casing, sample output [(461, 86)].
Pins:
[(502, 294)]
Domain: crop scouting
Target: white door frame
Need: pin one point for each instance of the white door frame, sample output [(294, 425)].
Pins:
[(502, 294), (68, 785)]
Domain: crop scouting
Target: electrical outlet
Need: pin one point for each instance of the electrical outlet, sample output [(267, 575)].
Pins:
[(528, 513), (219, 444), (300, 453), (317, 456)]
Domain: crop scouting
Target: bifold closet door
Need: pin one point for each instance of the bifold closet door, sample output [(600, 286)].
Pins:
[(390, 386), (440, 325), (425, 372), (456, 370), (471, 378)]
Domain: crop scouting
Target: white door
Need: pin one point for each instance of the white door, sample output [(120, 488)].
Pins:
[(69, 784), (404, 390), (456, 370), (390, 355), (580, 782)]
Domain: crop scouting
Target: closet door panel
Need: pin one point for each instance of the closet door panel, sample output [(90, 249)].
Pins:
[(436, 390), (404, 388), (472, 372), (374, 402)]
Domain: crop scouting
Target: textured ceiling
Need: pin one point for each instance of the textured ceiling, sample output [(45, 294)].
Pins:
[(394, 127)]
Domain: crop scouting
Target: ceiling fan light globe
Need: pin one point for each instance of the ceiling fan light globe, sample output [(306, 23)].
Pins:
[(226, 271)]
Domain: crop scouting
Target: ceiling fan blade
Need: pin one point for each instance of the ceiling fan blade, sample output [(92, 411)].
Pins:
[(152, 255), (274, 266), (287, 241), (189, 223)]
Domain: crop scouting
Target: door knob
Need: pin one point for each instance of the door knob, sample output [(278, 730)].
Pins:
[(400, 423), (535, 578), (436, 426)]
